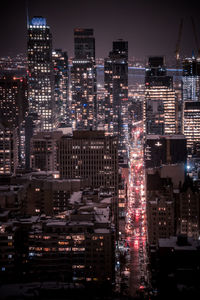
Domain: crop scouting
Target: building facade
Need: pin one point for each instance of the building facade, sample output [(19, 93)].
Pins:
[(191, 123), (83, 81), (44, 150), (165, 149), (8, 150), (116, 94), (40, 72), (13, 100), (61, 85), (159, 110), (191, 79), (93, 156)]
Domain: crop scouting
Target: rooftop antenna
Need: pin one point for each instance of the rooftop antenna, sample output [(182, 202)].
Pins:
[(27, 14)]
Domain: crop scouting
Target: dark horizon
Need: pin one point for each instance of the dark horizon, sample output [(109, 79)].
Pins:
[(151, 28)]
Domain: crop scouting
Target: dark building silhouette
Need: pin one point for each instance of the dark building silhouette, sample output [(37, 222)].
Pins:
[(83, 81), (13, 100), (161, 150), (116, 94), (61, 85), (84, 43)]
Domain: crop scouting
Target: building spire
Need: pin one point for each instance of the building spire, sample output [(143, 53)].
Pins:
[(27, 14)]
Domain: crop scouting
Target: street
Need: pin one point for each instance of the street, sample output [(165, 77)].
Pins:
[(136, 231)]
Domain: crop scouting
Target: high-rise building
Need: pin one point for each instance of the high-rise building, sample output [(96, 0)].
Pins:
[(8, 149), (191, 123), (61, 85), (84, 43), (83, 80), (116, 94), (91, 155), (40, 72), (160, 101), (13, 108), (13, 100), (191, 79)]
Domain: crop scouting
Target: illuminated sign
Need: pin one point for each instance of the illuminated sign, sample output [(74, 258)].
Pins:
[(38, 21)]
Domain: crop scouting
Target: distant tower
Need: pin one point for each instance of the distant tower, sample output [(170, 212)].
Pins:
[(84, 43), (13, 100), (8, 149), (160, 102), (61, 85), (191, 79), (191, 102), (13, 108), (83, 79), (40, 72), (191, 124), (116, 94)]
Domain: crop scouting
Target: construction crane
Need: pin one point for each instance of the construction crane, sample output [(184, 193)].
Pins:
[(195, 36), (177, 51)]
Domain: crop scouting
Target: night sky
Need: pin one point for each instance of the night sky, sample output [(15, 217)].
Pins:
[(150, 26)]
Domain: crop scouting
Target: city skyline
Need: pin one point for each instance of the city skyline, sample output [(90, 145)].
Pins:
[(100, 150), (129, 21)]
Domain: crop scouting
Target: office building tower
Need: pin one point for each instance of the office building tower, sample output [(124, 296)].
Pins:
[(191, 79), (8, 149), (159, 109), (61, 85), (116, 94), (84, 43), (93, 156), (40, 72), (83, 81), (191, 123), (13, 108), (13, 100)]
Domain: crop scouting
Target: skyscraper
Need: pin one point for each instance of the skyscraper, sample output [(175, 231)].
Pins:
[(8, 149), (160, 101), (91, 155), (191, 103), (83, 79), (191, 79), (116, 93), (40, 72), (84, 43), (13, 100), (61, 85), (13, 108), (191, 123)]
